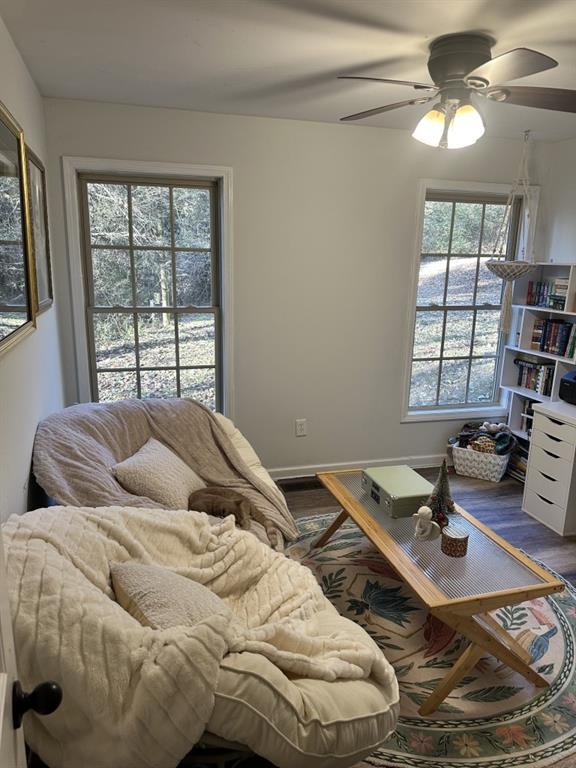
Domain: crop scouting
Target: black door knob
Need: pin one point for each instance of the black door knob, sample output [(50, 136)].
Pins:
[(43, 700)]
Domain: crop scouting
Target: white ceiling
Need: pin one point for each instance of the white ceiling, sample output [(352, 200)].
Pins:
[(280, 58)]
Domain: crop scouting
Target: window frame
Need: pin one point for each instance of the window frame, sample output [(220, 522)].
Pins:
[(91, 309), (136, 171), (496, 409)]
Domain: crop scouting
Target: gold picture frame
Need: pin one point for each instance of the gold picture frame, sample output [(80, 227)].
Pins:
[(18, 297), (40, 230)]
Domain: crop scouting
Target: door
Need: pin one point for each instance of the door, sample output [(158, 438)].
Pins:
[(12, 754)]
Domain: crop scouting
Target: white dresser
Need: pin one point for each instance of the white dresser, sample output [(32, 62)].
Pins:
[(550, 488)]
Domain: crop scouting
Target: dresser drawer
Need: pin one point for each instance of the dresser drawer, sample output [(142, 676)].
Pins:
[(544, 510), (546, 486), (550, 464), (555, 428), (553, 445)]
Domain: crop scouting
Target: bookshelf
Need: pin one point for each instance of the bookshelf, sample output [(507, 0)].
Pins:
[(523, 353)]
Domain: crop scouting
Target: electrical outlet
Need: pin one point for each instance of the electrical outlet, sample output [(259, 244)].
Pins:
[(301, 427)]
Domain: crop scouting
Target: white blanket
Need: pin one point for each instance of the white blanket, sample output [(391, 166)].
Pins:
[(134, 696)]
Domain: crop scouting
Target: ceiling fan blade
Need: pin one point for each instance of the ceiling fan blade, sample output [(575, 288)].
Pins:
[(519, 62), (387, 108), (557, 99), (418, 86)]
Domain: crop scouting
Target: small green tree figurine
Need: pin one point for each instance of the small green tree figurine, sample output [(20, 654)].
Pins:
[(440, 500)]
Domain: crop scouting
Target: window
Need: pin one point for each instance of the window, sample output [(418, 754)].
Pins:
[(151, 268), (456, 342)]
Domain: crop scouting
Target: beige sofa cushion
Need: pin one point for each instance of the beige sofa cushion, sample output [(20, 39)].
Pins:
[(158, 473), (244, 449), (302, 723), (160, 598)]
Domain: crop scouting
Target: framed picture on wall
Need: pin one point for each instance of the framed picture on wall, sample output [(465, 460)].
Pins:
[(40, 232), (18, 301)]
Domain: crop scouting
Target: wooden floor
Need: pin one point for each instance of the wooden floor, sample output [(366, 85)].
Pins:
[(496, 504)]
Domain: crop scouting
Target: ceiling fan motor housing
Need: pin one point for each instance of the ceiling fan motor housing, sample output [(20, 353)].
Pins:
[(452, 57)]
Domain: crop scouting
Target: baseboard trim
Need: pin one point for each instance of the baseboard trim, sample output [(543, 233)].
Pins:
[(418, 462)]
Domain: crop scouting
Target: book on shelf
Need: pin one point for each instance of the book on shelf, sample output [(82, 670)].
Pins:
[(548, 293), (518, 461), (556, 337), (535, 376), (527, 416)]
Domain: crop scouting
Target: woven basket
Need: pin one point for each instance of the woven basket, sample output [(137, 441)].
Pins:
[(485, 466)]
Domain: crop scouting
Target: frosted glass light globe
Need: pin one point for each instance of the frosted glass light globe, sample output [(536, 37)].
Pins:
[(466, 127), (430, 128)]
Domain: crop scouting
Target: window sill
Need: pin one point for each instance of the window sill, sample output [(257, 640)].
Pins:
[(456, 414)]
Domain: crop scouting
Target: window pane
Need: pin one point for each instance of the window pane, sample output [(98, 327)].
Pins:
[(428, 334), (10, 321), (108, 212), (492, 221), (199, 384), (458, 335), (482, 384), (453, 382), (153, 278), (156, 339), (111, 273), (114, 340), (197, 339), (461, 280), (158, 384), (151, 251), (12, 276), (490, 286), (10, 219), (431, 280), (151, 215), (194, 278), (119, 385), (437, 221), (467, 232), (487, 332), (467, 227), (191, 217), (423, 383)]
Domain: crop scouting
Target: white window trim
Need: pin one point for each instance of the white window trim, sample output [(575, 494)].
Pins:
[(71, 167), (440, 414)]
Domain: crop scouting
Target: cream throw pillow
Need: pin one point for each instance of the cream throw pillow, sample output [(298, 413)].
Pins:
[(160, 598), (157, 472)]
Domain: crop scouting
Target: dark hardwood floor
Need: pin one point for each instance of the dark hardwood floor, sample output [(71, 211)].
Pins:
[(498, 505)]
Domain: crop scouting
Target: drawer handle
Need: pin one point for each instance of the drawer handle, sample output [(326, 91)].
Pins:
[(543, 499), (555, 421), (551, 437), (553, 455), (552, 479)]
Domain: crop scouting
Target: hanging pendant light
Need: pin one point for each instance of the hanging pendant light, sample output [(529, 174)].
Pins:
[(509, 270)]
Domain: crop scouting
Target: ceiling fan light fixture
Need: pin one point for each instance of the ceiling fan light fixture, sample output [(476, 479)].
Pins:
[(450, 126), (466, 127), (431, 127)]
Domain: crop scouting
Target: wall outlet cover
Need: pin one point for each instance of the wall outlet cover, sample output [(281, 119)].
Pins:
[(301, 427)]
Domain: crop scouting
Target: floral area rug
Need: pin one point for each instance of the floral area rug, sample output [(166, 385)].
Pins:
[(494, 718)]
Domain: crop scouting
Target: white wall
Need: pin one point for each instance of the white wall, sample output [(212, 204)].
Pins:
[(30, 373), (558, 202), (324, 231)]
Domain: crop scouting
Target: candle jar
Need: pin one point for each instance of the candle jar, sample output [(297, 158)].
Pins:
[(454, 540)]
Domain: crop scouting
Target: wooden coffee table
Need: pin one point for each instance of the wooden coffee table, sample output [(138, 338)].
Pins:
[(461, 592)]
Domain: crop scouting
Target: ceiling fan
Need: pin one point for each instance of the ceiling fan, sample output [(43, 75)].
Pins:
[(462, 70)]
